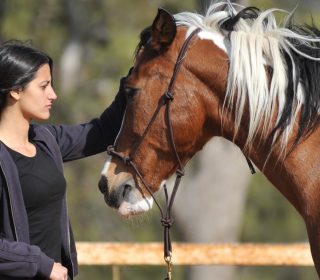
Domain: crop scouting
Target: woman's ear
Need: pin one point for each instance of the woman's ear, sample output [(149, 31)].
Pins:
[(15, 94)]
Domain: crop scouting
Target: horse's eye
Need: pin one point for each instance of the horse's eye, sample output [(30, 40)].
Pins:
[(130, 92)]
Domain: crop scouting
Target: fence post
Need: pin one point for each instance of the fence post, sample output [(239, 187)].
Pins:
[(115, 272)]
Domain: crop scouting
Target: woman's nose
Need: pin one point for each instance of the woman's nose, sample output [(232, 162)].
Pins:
[(52, 95)]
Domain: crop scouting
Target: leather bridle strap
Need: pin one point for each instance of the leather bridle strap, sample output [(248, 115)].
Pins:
[(168, 96)]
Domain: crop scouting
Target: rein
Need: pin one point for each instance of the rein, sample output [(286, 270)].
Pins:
[(166, 218)]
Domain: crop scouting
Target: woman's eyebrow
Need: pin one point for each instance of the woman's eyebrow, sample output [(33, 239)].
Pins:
[(45, 82)]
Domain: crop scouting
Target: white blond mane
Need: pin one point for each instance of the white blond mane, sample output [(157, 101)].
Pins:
[(255, 43)]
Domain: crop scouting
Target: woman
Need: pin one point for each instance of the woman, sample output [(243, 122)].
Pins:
[(36, 240)]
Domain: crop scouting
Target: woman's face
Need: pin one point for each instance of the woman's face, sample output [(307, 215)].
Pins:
[(36, 99)]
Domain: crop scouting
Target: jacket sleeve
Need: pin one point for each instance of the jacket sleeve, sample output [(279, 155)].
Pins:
[(77, 141), (18, 259)]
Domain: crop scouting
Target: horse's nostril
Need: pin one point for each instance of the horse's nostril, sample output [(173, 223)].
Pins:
[(103, 184), (126, 189)]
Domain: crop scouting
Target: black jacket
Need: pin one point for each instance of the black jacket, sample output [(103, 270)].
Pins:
[(63, 143)]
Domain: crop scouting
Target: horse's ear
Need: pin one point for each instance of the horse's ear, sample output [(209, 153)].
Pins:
[(163, 30)]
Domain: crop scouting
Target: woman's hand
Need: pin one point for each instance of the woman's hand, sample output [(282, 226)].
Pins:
[(58, 272)]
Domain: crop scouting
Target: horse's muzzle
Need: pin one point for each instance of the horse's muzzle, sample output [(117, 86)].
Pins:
[(103, 184), (110, 198)]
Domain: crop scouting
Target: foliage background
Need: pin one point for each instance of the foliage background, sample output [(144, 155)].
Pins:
[(106, 34)]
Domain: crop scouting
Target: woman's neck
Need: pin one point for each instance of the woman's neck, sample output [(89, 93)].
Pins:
[(14, 130)]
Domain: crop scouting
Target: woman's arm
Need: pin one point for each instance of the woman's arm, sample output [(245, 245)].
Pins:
[(77, 141), (19, 259)]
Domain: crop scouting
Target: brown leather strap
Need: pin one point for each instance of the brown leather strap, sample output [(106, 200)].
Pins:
[(166, 218)]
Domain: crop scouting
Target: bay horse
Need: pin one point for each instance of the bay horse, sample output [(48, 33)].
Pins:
[(241, 76)]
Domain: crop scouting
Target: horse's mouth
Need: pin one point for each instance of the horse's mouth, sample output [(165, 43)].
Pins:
[(128, 209), (127, 199)]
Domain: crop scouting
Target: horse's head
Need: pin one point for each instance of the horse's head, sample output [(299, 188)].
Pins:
[(145, 135)]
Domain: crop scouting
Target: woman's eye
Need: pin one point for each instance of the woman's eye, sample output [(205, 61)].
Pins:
[(130, 92), (44, 86)]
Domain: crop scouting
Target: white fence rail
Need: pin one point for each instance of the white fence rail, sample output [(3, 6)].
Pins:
[(117, 254)]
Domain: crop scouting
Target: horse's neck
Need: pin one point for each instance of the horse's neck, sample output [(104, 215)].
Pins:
[(295, 174), (213, 74)]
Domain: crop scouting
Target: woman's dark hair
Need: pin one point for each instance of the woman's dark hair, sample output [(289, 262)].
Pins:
[(19, 63)]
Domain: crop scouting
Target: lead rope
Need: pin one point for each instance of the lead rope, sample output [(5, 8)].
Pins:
[(166, 219)]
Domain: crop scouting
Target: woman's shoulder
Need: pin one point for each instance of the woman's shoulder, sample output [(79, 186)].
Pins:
[(40, 131), (44, 134)]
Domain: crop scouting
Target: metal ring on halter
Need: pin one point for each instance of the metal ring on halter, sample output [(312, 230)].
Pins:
[(168, 260)]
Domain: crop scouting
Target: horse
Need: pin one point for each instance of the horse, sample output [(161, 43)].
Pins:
[(236, 73)]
